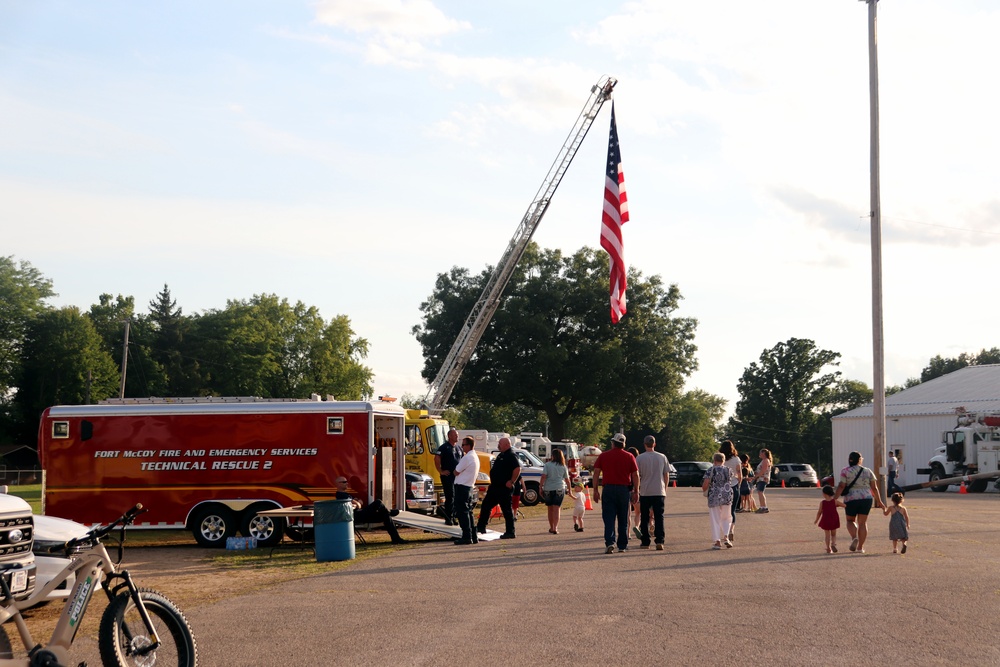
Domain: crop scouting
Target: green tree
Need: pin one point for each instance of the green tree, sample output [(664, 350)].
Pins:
[(143, 377), (939, 365), (169, 347), (267, 347), (23, 291), (551, 346), (689, 432), (784, 400), (65, 363)]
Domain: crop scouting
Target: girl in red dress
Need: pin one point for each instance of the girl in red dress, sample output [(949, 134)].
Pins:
[(828, 518)]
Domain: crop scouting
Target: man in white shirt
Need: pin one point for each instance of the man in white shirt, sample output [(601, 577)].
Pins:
[(466, 473), (654, 477)]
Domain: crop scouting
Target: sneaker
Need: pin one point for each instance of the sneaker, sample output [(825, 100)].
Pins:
[(577, 529), (659, 547), (507, 536), (729, 545), (609, 550), (904, 549), (644, 547), (732, 537), (762, 510), (834, 548), (860, 551), (637, 532), (716, 546), (481, 530), (854, 544)]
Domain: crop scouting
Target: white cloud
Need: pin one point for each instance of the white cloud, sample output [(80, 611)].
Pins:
[(413, 19)]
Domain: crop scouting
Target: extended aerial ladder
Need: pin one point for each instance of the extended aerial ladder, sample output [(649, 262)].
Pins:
[(481, 314)]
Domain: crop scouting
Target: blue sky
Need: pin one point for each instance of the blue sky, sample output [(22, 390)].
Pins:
[(344, 153)]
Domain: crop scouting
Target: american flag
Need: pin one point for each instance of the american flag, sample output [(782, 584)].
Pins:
[(615, 215)]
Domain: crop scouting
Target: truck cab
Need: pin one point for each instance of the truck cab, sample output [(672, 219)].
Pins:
[(973, 446), (424, 434)]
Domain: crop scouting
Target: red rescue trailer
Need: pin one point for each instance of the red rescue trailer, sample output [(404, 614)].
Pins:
[(209, 465)]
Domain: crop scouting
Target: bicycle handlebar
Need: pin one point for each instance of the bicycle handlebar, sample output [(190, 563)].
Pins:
[(96, 534)]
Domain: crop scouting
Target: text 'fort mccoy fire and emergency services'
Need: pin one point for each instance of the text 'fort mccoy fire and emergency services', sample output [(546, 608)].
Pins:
[(225, 459)]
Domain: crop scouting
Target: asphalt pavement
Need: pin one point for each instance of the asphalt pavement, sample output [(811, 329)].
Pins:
[(776, 598)]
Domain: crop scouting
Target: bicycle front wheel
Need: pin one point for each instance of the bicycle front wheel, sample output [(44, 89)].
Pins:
[(123, 636)]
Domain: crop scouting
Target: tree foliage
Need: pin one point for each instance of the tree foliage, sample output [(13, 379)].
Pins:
[(551, 346), (689, 432), (263, 346), (785, 399), (267, 347), (939, 365), (23, 291), (64, 363)]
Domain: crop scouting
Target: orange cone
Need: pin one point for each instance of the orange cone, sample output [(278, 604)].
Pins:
[(962, 489), (586, 500), (782, 483), (818, 485), (675, 483)]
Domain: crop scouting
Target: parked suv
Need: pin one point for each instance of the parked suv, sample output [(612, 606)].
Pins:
[(690, 473), (793, 474), (17, 563)]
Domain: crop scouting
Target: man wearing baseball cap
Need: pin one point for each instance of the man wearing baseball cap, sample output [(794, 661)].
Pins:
[(618, 470)]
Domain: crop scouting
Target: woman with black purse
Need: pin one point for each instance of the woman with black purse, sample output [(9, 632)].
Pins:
[(859, 489)]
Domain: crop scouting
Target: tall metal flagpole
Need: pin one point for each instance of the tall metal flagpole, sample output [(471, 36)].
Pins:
[(878, 343)]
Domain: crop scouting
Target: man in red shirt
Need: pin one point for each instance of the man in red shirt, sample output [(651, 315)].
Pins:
[(619, 472)]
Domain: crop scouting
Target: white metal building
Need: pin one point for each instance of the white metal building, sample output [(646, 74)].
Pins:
[(915, 418)]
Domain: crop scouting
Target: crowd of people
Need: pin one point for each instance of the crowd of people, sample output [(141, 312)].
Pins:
[(632, 487)]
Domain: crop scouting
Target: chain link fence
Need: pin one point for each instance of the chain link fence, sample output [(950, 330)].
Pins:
[(20, 477)]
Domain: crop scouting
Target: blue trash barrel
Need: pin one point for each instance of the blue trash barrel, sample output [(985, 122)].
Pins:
[(334, 523)]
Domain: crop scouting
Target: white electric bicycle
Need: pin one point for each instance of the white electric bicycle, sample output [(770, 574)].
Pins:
[(140, 627)]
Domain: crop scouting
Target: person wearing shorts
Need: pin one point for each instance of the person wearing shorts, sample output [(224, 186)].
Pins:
[(555, 480), (859, 489)]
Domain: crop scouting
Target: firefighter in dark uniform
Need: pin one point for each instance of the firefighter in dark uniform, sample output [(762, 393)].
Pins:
[(446, 460), (506, 469)]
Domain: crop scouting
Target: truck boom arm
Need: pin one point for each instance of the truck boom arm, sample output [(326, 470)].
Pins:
[(484, 309)]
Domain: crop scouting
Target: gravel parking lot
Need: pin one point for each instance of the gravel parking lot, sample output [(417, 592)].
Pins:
[(776, 598)]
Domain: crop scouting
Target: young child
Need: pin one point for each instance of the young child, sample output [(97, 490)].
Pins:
[(899, 523), (745, 498), (579, 494), (828, 518)]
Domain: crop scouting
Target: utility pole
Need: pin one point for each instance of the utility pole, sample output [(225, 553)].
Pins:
[(121, 387), (878, 342)]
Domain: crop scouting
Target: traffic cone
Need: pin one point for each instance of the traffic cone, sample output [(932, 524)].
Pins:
[(962, 489), (818, 485), (675, 483), (586, 500), (782, 483)]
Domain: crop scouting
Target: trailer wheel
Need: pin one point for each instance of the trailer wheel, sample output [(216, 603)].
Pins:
[(936, 475), (530, 495), (212, 525), (267, 530)]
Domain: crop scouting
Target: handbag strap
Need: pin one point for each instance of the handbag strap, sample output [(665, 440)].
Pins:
[(848, 487)]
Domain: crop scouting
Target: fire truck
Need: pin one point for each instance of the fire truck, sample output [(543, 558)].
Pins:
[(209, 465)]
